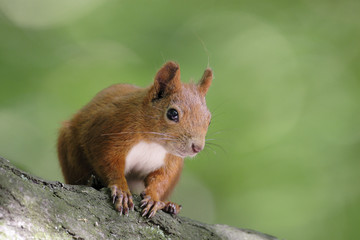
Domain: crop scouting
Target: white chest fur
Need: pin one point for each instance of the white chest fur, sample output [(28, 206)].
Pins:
[(144, 158)]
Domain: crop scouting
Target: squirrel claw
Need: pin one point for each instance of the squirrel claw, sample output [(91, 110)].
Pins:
[(151, 206), (148, 203), (172, 208), (157, 206), (131, 203), (122, 200), (145, 201)]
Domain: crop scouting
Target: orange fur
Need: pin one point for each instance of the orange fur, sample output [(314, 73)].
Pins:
[(97, 140)]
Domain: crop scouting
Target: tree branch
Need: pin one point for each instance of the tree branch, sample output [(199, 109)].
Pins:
[(32, 208)]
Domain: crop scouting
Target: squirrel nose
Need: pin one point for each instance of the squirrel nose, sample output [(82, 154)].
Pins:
[(196, 148)]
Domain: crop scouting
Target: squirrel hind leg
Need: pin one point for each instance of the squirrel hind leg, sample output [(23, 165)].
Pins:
[(72, 162)]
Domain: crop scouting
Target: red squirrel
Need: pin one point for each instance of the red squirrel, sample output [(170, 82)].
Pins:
[(127, 135)]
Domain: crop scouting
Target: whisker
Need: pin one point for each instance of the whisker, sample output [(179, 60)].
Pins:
[(210, 148), (219, 106), (122, 141), (169, 139), (210, 139), (157, 108), (216, 145), (120, 133), (214, 133)]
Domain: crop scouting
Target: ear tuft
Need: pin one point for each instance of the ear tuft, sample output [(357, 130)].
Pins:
[(205, 81), (167, 72), (167, 79)]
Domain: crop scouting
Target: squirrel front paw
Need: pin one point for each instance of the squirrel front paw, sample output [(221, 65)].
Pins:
[(172, 208), (123, 200), (151, 206)]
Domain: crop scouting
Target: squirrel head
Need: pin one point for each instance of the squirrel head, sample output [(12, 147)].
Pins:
[(176, 112)]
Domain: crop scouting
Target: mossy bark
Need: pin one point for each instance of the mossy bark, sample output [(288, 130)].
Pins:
[(32, 208)]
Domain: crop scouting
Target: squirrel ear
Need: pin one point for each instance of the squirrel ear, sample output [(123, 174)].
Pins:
[(205, 81), (167, 80)]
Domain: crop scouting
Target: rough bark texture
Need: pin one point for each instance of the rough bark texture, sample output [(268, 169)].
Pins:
[(32, 208)]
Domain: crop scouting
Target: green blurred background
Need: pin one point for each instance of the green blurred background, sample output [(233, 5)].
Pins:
[(285, 99)]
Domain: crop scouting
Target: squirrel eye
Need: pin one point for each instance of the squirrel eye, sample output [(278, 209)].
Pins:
[(172, 115)]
